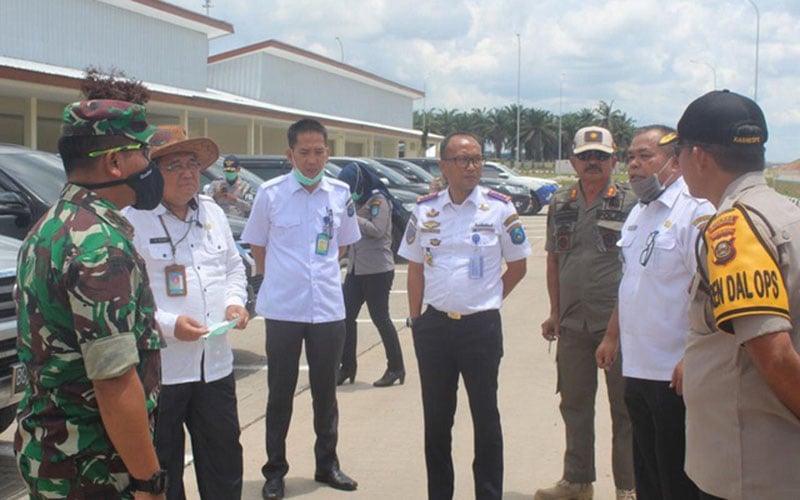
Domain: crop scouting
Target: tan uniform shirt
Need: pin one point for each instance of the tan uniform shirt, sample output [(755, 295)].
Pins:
[(585, 239), (741, 441)]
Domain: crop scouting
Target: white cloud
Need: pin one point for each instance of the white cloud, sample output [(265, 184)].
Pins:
[(637, 53)]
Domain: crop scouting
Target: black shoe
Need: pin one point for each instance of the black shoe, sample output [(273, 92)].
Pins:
[(273, 489), (390, 377), (345, 374), (336, 479)]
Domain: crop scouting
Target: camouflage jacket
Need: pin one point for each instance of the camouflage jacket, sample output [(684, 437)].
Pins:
[(85, 311), (220, 190)]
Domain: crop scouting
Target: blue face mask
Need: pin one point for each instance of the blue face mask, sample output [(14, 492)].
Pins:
[(306, 181)]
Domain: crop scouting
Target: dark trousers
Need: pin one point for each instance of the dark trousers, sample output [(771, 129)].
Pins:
[(323, 351), (208, 409), (374, 290), (659, 440), (471, 347)]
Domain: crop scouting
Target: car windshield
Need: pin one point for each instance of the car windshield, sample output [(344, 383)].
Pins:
[(384, 171), (40, 173), (412, 172)]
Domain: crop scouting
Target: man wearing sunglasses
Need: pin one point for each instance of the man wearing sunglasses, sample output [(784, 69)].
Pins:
[(649, 322), (741, 366), (583, 273), (87, 332)]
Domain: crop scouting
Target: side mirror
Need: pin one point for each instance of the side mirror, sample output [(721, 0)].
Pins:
[(503, 175), (12, 203)]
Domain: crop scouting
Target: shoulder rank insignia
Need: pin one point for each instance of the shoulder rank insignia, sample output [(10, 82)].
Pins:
[(573, 194), (611, 191), (427, 197), (700, 221), (498, 196)]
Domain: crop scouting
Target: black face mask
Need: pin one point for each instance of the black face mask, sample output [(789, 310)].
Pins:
[(147, 184)]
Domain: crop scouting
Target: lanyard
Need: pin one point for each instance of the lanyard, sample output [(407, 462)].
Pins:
[(172, 245)]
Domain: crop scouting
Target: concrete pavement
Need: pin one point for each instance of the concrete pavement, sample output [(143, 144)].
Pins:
[(380, 429)]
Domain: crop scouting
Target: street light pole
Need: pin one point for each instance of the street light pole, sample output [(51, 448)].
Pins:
[(758, 33), (560, 112), (519, 67), (341, 47), (711, 67)]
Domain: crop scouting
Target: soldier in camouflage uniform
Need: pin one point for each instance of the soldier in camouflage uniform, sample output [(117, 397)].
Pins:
[(86, 328), (233, 194)]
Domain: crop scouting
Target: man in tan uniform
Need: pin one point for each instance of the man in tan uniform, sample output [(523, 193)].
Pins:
[(741, 367), (583, 273)]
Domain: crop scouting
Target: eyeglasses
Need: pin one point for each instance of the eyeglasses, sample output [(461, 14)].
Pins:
[(649, 245), (122, 149), (597, 155), (465, 161), (191, 165)]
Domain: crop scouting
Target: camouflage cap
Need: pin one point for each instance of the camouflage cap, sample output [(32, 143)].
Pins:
[(108, 117)]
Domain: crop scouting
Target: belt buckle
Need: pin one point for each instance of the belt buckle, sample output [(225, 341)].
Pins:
[(453, 315)]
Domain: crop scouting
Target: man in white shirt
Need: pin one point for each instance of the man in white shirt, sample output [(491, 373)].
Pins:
[(299, 225), (658, 262), (198, 280), (456, 242)]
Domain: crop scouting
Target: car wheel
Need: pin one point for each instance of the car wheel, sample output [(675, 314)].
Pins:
[(7, 416), (536, 205)]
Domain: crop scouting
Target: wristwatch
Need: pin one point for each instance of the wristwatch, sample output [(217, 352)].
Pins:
[(157, 484), (410, 322)]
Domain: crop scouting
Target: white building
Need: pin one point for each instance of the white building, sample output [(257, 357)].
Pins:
[(243, 99)]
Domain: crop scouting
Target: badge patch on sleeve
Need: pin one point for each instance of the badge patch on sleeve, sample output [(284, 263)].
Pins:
[(745, 278), (411, 230), (517, 234)]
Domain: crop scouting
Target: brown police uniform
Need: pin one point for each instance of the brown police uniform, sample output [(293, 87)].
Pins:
[(589, 271), (741, 441)]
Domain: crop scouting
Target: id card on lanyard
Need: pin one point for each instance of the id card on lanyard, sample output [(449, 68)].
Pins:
[(174, 274), (323, 242)]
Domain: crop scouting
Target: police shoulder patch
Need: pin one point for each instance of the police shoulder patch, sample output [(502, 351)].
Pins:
[(700, 221), (745, 278), (498, 196)]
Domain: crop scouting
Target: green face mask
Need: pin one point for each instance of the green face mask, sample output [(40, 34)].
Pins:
[(231, 176), (356, 196), (302, 179)]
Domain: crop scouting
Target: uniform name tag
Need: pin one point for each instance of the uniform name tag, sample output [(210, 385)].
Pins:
[(162, 239)]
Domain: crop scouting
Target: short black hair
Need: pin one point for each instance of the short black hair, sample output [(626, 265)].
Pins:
[(74, 150), (450, 136), (305, 125), (737, 160), (663, 130)]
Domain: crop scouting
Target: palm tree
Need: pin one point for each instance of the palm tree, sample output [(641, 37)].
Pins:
[(496, 128), (536, 130)]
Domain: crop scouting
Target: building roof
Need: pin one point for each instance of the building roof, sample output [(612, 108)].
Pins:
[(164, 11), (57, 82), (296, 54)]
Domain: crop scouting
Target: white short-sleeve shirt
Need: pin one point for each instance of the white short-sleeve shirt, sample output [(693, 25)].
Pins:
[(446, 237), (301, 283)]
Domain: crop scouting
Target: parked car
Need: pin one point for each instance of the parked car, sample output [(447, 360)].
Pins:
[(30, 181), (520, 194), (13, 377), (388, 176), (543, 188)]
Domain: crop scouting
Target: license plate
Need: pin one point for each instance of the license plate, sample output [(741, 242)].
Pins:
[(19, 378)]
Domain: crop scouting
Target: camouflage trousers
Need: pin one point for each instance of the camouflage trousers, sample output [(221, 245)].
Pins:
[(81, 478)]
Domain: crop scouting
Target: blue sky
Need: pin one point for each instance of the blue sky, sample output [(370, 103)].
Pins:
[(651, 58)]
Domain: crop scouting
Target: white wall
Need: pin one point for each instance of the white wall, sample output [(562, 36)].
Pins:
[(81, 33)]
